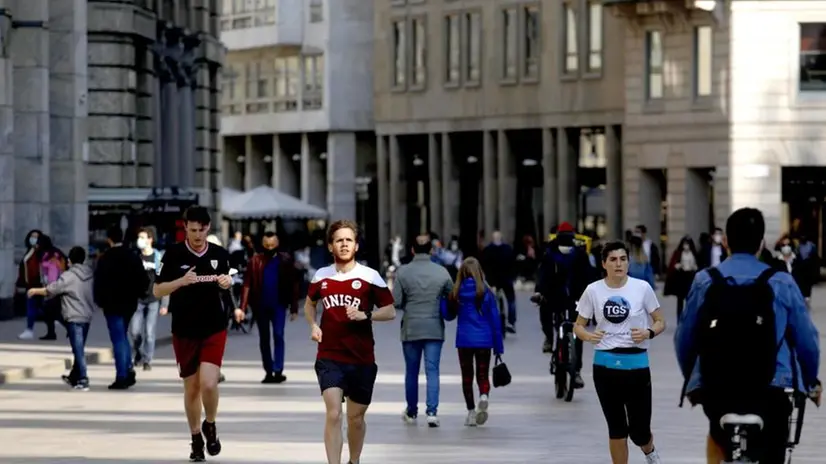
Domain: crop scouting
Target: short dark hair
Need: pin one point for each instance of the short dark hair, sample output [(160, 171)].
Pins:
[(614, 245), (342, 224), (717, 229), (423, 245), (149, 231), (115, 234), (642, 228), (270, 234), (197, 214), (745, 229), (77, 255)]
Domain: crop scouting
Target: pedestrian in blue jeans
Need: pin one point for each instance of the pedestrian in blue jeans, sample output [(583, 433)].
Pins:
[(75, 288), (418, 288), (144, 322)]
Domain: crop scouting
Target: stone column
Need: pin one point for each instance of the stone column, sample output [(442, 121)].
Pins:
[(170, 104), (313, 180), (382, 173), (341, 175), (566, 164), (68, 208), (158, 118), (489, 191), (8, 237), (450, 189), (649, 203), (31, 138), (187, 81), (613, 183), (287, 180), (434, 182), (549, 193), (397, 208), (202, 162), (506, 187), (254, 166)]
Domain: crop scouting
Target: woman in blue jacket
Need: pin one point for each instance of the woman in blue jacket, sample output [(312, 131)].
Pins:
[(638, 265), (478, 331)]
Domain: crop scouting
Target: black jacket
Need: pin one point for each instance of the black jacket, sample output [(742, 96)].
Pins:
[(120, 281), (560, 284)]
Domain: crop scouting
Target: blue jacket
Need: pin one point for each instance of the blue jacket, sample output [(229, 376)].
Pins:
[(642, 271), (478, 325), (790, 311)]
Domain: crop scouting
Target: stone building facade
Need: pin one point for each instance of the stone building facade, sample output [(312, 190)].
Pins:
[(83, 108)]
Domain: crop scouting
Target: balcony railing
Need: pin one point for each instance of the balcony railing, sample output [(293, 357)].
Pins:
[(248, 19)]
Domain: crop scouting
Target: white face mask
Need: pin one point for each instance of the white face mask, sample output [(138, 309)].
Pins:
[(786, 249), (142, 243), (454, 246), (718, 239), (565, 249), (32, 241)]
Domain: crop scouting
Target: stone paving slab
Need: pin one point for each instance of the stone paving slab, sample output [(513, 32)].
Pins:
[(23, 359), (46, 423)]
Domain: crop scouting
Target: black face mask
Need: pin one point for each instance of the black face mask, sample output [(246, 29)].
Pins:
[(271, 252)]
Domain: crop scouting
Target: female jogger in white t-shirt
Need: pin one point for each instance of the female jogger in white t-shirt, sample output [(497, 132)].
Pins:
[(624, 308)]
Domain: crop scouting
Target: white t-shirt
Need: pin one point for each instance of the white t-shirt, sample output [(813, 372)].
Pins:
[(618, 310)]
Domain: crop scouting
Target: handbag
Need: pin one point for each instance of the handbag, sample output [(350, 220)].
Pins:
[(501, 374)]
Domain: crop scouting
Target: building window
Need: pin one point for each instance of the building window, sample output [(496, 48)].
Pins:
[(399, 53), (243, 14), (316, 11), (812, 57), (571, 48), (531, 42), (232, 91), (419, 52), (509, 43), (594, 37), (702, 61), (452, 50), (313, 82), (257, 78), (473, 42), (654, 65), (286, 83)]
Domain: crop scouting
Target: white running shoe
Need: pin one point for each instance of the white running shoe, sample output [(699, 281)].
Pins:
[(26, 335), (409, 420), (482, 410), (432, 421), (470, 421), (653, 458)]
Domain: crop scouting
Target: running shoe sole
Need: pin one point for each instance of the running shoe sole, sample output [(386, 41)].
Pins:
[(482, 412)]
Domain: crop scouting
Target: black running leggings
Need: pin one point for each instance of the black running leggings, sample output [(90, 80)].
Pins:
[(625, 397)]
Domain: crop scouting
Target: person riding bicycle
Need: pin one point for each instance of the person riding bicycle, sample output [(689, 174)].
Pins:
[(563, 274), (744, 338), (499, 265)]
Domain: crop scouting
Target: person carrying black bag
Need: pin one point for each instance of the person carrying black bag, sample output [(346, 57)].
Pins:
[(744, 332)]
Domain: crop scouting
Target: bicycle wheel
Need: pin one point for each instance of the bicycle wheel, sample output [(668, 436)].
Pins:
[(561, 381), (572, 360)]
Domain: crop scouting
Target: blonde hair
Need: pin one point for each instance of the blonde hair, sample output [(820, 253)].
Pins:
[(470, 269)]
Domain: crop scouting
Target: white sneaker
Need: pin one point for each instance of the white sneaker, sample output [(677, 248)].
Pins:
[(470, 421), (482, 410), (26, 335), (653, 458), (408, 419), (432, 421)]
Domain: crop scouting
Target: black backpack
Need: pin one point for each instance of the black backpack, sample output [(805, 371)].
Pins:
[(736, 340)]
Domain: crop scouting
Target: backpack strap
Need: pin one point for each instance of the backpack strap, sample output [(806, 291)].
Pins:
[(716, 276), (764, 276)]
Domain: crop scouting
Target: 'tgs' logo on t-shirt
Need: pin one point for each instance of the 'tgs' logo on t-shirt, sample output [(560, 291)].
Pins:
[(337, 301)]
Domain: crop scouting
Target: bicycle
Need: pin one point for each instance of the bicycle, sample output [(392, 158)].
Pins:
[(740, 426), (564, 360)]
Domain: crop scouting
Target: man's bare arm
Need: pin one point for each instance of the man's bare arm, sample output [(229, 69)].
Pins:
[(385, 313), (310, 311), (166, 288)]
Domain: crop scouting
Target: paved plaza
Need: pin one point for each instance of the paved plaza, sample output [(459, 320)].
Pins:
[(41, 421)]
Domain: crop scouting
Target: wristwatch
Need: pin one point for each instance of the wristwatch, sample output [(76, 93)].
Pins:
[(651, 334), (369, 315)]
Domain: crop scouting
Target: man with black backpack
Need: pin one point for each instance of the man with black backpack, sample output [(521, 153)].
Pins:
[(745, 336)]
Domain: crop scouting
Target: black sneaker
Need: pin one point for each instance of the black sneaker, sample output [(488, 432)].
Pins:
[(147, 367), (510, 329), (269, 378), (122, 384), (49, 337), (210, 431), (222, 379), (279, 377), (197, 445), (578, 382), (68, 380), (81, 385)]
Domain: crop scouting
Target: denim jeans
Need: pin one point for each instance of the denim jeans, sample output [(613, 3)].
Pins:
[(142, 330), (117, 326), (34, 307), (432, 350), (78, 332), (273, 361)]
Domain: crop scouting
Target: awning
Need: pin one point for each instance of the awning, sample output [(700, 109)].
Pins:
[(264, 202), (130, 195), (228, 196)]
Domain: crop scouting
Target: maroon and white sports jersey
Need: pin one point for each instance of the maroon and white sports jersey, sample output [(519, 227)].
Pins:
[(344, 340)]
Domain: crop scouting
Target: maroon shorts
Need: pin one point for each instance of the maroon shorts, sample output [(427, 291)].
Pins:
[(191, 352)]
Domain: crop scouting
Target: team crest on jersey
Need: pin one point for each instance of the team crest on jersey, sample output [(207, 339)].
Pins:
[(324, 285), (356, 284), (213, 263)]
